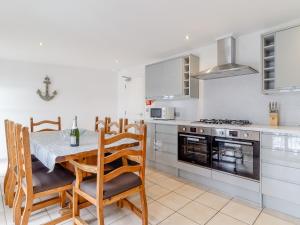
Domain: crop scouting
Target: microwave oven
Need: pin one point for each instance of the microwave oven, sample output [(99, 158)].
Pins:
[(162, 113)]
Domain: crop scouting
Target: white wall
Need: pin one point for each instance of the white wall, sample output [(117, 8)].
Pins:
[(131, 94), (81, 91), (236, 97)]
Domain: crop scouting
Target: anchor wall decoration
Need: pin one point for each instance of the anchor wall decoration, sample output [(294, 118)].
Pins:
[(46, 96)]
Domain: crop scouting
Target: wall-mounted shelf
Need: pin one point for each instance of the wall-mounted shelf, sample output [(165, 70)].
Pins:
[(190, 85), (268, 62)]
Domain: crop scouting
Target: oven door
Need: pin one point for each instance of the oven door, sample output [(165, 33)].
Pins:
[(194, 149), (236, 156)]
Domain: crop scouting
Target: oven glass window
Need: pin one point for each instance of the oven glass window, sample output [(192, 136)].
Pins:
[(194, 149), (236, 157)]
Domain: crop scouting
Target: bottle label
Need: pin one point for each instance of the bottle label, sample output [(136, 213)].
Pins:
[(73, 140)]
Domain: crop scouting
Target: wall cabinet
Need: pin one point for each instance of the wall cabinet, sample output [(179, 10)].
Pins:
[(281, 60), (172, 78)]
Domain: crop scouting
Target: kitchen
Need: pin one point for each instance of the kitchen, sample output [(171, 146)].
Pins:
[(235, 117), (150, 112)]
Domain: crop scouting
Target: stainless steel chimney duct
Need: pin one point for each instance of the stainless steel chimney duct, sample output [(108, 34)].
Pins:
[(226, 62)]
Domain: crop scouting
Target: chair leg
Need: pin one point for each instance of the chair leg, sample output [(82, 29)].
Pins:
[(17, 206), (7, 186), (100, 213), (144, 205), (75, 205), (62, 199), (6, 178), (27, 211), (11, 191)]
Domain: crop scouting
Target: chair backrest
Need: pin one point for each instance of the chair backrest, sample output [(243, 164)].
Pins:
[(114, 127), (99, 124), (10, 143), (119, 152), (35, 124), (24, 164), (135, 125)]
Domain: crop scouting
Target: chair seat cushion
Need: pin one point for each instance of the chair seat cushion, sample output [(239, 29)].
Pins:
[(113, 187), (43, 180)]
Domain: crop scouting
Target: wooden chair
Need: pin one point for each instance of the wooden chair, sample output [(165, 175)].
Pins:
[(115, 186), (35, 124), (10, 178), (101, 123), (37, 183)]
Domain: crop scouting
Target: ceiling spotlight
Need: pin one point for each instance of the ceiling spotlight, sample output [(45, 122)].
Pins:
[(117, 61), (187, 37), (41, 43)]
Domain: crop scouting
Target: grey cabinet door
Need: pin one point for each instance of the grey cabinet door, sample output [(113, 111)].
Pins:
[(154, 74), (150, 151), (164, 79), (166, 144), (173, 77), (287, 58)]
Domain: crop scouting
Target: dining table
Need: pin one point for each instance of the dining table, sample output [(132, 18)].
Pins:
[(53, 147)]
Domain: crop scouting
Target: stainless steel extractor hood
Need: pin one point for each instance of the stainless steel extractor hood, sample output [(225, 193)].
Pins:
[(226, 63)]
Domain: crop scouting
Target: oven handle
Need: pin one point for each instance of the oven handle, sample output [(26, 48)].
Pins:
[(234, 142), (191, 136)]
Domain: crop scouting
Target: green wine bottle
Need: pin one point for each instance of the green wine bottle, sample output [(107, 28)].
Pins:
[(74, 135)]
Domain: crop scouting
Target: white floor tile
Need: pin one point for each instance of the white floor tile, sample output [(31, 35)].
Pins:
[(174, 201), (157, 212), (214, 201), (131, 219), (169, 183), (178, 220), (197, 212), (266, 219), (189, 191), (156, 192), (222, 219), (111, 213), (243, 212)]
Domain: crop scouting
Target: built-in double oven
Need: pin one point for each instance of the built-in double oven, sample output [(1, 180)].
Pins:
[(232, 151), (194, 145)]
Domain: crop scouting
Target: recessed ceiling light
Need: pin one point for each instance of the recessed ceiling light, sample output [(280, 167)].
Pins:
[(187, 37), (117, 61), (41, 43)]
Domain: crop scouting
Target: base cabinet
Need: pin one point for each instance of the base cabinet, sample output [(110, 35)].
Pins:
[(281, 172)]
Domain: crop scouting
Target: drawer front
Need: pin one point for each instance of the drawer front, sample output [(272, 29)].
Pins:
[(284, 158), (281, 142), (280, 189), (166, 138), (272, 141), (166, 158), (282, 173), (237, 181), (168, 148), (169, 129)]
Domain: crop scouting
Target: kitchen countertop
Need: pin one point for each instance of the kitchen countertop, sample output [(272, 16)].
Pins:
[(291, 130)]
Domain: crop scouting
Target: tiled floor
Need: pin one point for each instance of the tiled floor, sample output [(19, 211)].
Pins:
[(171, 201)]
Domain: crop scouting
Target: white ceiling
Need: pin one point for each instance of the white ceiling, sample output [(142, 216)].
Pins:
[(94, 33)]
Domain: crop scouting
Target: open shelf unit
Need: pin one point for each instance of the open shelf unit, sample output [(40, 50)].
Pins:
[(268, 62), (186, 77)]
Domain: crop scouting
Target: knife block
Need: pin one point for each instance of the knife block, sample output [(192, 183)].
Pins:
[(274, 119)]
